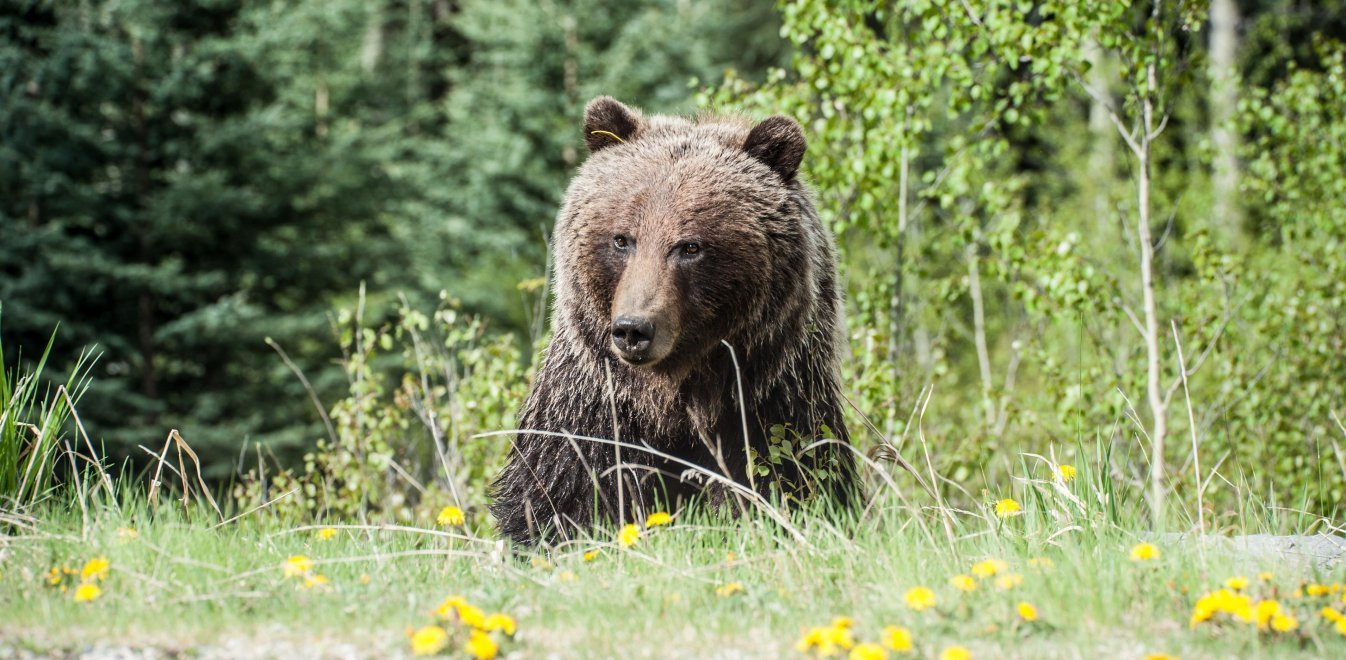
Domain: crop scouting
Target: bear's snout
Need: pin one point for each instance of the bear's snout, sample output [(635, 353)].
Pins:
[(632, 336)]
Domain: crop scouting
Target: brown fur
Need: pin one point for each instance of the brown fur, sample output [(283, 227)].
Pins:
[(760, 275)]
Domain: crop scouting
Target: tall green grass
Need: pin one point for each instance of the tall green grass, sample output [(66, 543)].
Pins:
[(34, 421)]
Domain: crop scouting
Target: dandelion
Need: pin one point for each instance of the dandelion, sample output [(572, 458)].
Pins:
[(315, 581), (1237, 583), (727, 590), (1284, 622), (1009, 581), (429, 640), (1144, 552), (987, 568), (868, 651), (1067, 472), (1006, 508), (502, 622), (1159, 656), (455, 607), (1264, 612), (541, 564), (1340, 626), (826, 641), (920, 598), (1331, 614), (480, 645), (897, 638), (326, 534), (1026, 611), (87, 592), (1266, 576), (55, 575), (95, 569), (451, 516), (658, 518), (297, 565), (1317, 590), (963, 583), (567, 576), (592, 555), (956, 653), (843, 622), (628, 536), (365, 579)]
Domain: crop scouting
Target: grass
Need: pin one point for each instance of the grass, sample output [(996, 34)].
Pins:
[(181, 582)]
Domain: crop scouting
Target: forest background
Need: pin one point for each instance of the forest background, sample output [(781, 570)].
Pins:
[(1112, 225)]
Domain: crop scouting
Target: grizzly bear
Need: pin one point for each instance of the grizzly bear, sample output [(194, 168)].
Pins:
[(697, 331)]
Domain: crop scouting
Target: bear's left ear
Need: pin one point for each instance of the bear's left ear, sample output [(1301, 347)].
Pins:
[(779, 143)]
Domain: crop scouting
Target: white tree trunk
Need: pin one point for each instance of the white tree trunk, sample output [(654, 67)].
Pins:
[(1226, 211)]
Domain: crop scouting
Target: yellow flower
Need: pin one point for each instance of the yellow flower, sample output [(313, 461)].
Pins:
[(429, 640), (1026, 611), (480, 645), (920, 598), (541, 564), (449, 607), (826, 641), (1331, 614), (127, 533), (1009, 581), (87, 592), (868, 651), (1284, 623), (843, 622), (567, 576), (502, 622), (1237, 583), (956, 653), (1264, 612), (95, 569), (1067, 472), (451, 516), (628, 536), (592, 555), (1044, 563), (1159, 656), (297, 565), (365, 579), (326, 534), (1006, 508), (1317, 590), (471, 615), (727, 590), (1340, 626), (1229, 602), (658, 518), (54, 576), (988, 567), (1144, 552), (963, 583), (1266, 576), (315, 581), (897, 638)]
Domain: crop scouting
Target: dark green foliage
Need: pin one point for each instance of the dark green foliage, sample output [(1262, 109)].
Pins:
[(180, 181)]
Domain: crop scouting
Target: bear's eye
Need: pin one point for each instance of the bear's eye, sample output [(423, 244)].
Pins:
[(691, 249), (620, 242)]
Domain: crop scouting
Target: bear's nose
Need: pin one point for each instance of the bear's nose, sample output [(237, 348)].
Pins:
[(632, 336)]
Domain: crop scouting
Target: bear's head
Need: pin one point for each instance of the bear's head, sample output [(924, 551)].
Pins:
[(675, 234)]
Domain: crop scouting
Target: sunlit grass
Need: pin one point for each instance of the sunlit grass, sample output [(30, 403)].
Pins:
[(902, 579)]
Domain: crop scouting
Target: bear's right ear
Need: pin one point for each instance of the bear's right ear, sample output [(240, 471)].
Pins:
[(607, 122), (779, 143)]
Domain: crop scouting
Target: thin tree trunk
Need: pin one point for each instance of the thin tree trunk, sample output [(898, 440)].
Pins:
[(1227, 212), (1153, 360), (1102, 139), (979, 333)]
